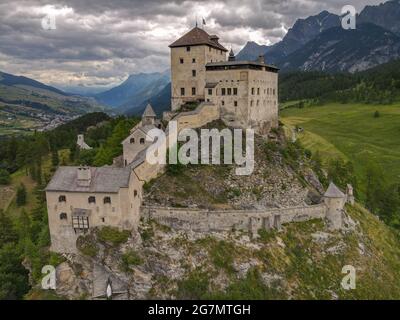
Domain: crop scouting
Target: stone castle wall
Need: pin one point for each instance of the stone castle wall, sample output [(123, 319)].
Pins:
[(202, 220)]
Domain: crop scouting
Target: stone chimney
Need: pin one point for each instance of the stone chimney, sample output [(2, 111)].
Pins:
[(84, 176), (261, 59)]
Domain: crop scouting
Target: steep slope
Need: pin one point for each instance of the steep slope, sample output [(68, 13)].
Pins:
[(385, 15), (133, 91), (160, 102), (302, 32), (337, 49), (304, 260), (251, 51)]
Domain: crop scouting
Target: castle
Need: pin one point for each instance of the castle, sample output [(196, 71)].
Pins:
[(243, 94)]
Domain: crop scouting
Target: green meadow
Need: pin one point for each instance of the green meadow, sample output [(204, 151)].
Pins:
[(351, 131)]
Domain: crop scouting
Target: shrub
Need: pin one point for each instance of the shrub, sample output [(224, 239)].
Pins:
[(195, 286), (21, 195), (87, 245), (130, 258), (4, 177), (113, 236)]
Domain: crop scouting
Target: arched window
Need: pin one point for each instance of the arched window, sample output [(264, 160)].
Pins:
[(107, 200), (135, 193), (141, 140), (62, 199), (63, 216), (132, 140), (92, 199)]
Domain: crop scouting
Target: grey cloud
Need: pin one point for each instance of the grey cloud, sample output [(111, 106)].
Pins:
[(103, 41)]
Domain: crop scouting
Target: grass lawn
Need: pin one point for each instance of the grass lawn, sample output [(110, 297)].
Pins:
[(352, 132)]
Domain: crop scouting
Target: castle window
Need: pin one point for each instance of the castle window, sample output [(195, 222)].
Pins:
[(235, 103), (252, 90), (92, 199), (193, 91), (273, 92), (132, 140), (223, 102), (210, 92), (193, 60), (63, 216), (107, 200), (141, 140), (222, 91), (235, 91), (209, 49), (229, 91), (258, 91), (126, 163), (135, 193), (258, 102), (187, 49), (251, 103), (193, 73), (182, 91), (80, 223), (103, 220), (62, 199)]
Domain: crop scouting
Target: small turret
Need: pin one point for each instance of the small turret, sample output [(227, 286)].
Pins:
[(149, 116), (334, 200), (231, 56)]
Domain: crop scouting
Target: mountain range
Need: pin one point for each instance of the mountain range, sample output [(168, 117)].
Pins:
[(320, 43), (135, 91), (27, 104)]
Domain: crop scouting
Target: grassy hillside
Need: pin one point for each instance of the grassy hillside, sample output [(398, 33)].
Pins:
[(351, 131)]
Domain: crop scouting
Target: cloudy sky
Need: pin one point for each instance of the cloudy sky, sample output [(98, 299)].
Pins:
[(98, 43)]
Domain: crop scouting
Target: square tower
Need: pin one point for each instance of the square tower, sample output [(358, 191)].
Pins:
[(189, 56)]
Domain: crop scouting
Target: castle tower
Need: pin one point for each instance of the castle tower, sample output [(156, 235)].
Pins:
[(149, 116), (189, 55), (335, 200)]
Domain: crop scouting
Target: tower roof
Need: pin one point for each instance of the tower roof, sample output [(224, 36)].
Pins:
[(333, 192), (149, 112), (197, 36), (231, 56)]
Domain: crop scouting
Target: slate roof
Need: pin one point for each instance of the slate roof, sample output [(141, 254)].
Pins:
[(104, 179), (333, 192), (198, 36), (149, 112)]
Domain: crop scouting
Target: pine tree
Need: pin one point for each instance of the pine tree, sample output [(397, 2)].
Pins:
[(7, 231), (55, 160), (21, 195)]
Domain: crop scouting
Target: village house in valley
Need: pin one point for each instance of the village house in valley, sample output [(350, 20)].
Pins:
[(243, 94)]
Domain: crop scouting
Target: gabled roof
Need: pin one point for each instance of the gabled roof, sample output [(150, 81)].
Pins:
[(149, 112), (334, 192), (198, 36)]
